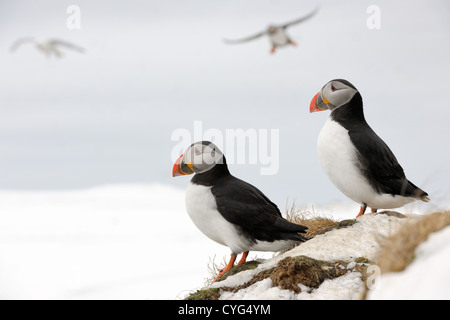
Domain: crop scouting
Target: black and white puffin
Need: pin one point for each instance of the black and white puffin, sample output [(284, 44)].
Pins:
[(276, 33), (230, 211), (354, 157)]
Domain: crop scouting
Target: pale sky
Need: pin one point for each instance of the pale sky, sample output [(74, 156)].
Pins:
[(154, 67)]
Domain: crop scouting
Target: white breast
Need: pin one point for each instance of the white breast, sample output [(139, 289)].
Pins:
[(279, 38), (202, 209), (338, 158)]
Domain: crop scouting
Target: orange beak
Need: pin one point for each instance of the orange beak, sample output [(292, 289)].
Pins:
[(180, 169), (317, 104)]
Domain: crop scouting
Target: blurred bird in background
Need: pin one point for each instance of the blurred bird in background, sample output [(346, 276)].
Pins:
[(277, 33), (47, 46)]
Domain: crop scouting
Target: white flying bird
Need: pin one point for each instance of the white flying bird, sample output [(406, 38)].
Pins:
[(48, 46), (276, 33)]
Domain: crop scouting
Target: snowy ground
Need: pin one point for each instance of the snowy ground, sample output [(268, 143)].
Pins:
[(124, 242), (111, 242), (348, 244), (426, 278)]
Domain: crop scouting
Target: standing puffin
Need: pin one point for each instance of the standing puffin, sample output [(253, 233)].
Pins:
[(276, 33), (230, 211), (354, 157)]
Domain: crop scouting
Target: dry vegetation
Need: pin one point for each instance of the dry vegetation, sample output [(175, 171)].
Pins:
[(316, 223), (397, 251)]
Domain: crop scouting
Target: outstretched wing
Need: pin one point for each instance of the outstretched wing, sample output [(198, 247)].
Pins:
[(302, 19), (247, 207), (20, 42), (250, 38), (66, 44)]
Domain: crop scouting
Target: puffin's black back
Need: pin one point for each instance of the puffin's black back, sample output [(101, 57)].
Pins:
[(247, 207), (376, 160)]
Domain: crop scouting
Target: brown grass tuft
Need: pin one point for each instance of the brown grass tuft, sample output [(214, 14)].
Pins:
[(290, 272), (397, 251), (316, 223)]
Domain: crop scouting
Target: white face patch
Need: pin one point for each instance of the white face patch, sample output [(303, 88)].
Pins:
[(203, 157), (337, 94)]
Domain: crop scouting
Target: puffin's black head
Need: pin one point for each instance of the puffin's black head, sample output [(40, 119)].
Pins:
[(333, 95), (200, 157)]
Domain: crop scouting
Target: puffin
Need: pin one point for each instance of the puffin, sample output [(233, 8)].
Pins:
[(276, 33), (231, 211), (357, 161), (47, 46)]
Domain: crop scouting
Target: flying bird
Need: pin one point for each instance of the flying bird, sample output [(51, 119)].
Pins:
[(230, 211), (277, 33), (354, 157), (47, 46)]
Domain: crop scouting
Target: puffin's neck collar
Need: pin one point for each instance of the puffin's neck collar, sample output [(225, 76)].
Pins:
[(351, 112), (207, 178)]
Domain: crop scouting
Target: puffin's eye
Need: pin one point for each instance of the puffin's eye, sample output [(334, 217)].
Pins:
[(333, 89)]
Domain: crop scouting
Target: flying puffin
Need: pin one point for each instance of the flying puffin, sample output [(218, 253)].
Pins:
[(276, 33), (230, 211), (354, 157), (47, 46)]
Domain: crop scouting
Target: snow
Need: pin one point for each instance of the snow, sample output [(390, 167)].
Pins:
[(346, 287), (358, 240), (427, 277), (261, 290), (349, 287), (109, 242), (137, 242)]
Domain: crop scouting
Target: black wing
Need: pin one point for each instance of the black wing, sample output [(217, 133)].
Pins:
[(247, 207), (18, 43), (246, 39), (300, 20), (380, 165), (66, 44)]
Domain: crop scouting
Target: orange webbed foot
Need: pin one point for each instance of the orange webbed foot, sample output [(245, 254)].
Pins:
[(361, 211), (227, 268)]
